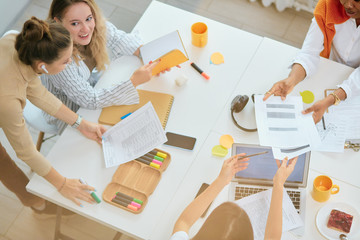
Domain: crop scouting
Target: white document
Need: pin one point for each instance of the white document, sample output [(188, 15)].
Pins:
[(132, 137), (257, 208), (333, 136), (281, 153), (282, 125), (161, 46), (351, 110)]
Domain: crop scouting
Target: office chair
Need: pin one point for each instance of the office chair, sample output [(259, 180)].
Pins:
[(34, 117)]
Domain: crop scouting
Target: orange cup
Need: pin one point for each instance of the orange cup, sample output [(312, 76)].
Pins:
[(323, 188), (199, 34)]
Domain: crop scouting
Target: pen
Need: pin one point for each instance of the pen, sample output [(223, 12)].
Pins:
[(155, 157), (92, 193), (154, 165), (124, 204), (323, 121), (123, 195), (135, 204), (251, 155), (160, 154), (126, 115), (150, 159), (207, 77)]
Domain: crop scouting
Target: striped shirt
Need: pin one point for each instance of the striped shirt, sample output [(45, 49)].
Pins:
[(74, 86)]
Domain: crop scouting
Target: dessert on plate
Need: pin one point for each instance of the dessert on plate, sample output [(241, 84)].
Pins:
[(340, 221)]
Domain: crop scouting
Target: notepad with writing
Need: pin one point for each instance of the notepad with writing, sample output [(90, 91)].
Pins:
[(168, 48), (162, 103)]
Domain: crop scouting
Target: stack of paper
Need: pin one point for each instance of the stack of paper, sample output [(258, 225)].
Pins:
[(282, 126), (257, 208)]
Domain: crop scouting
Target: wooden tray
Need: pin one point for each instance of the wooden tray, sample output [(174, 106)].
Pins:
[(135, 179)]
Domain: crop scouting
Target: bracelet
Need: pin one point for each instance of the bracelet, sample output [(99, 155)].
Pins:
[(337, 99), (62, 186)]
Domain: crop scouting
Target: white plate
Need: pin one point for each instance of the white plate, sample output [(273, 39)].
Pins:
[(322, 218)]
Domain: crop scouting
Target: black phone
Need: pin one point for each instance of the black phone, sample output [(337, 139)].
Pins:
[(181, 141), (202, 188)]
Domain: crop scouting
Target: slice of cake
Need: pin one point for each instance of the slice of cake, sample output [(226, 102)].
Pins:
[(340, 221)]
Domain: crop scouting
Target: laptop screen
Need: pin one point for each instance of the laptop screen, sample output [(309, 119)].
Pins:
[(264, 167)]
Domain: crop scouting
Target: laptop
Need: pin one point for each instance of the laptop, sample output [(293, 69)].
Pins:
[(260, 172)]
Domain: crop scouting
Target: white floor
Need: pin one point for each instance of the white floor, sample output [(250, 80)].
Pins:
[(16, 221)]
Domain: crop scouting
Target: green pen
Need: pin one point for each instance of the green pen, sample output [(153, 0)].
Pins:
[(92, 193)]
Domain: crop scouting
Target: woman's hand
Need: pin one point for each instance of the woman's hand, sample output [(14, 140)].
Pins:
[(285, 169), (231, 166), (91, 130), (318, 109), (284, 87), (281, 88), (74, 190), (143, 74)]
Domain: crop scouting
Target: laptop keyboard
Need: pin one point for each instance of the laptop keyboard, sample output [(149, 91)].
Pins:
[(241, 192)]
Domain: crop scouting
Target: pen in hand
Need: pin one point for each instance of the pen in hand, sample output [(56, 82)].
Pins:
[(92, 193), (323, 122), (251, 155)]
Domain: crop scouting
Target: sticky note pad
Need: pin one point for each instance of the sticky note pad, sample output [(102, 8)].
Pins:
[(219, 151), (217, 58), (307, 96), (226, 141)]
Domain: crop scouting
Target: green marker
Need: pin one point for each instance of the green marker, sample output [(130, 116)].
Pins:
[(92, 193)]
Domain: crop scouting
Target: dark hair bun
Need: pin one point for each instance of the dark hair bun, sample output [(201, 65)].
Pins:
[(35, 29)]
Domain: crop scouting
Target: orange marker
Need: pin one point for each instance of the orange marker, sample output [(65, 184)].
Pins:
[(207, 77)]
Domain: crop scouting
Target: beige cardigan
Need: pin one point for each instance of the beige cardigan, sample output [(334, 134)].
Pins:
[(18, 82)]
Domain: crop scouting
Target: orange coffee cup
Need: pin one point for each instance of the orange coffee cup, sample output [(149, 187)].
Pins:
[(199, 34), (324, 188)]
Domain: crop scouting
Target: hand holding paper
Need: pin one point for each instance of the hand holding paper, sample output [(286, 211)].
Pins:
[(143, 74), (169, 49)]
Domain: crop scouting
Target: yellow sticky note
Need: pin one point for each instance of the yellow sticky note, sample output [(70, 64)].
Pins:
[(307, 96), (226, 141), (217, 58), (219, 151)]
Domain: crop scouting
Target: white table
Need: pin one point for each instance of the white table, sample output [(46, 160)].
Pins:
[(194, 112), (270, 64)]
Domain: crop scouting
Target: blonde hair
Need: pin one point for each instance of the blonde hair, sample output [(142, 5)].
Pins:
[(41, 40), (97, 44), (227, 222)]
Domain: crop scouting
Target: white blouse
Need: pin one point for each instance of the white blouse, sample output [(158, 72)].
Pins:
[(345, 49), (74, 86)]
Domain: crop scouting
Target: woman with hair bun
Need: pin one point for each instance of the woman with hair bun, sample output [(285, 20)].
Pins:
[(40, 47)]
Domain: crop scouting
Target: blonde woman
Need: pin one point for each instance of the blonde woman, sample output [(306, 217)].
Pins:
[(228, 221), (40, 48), (93, 37)]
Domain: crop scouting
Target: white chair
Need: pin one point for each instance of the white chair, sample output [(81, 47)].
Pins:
[(34, 117)]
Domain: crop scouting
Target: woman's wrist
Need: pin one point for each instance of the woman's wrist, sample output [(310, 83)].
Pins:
[(62, 185)]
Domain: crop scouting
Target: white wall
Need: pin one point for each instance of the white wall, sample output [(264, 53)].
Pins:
[(10, 10)]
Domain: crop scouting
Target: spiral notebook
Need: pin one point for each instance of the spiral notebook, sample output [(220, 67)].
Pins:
[(162, 103)]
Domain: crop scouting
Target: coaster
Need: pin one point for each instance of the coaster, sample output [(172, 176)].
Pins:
[(219, 151), (226, 141)]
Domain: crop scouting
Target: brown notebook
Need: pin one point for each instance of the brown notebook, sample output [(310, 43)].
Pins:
[(162, 103)]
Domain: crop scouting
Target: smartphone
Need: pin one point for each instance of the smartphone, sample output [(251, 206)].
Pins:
[(202, 188), (180, 141)]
